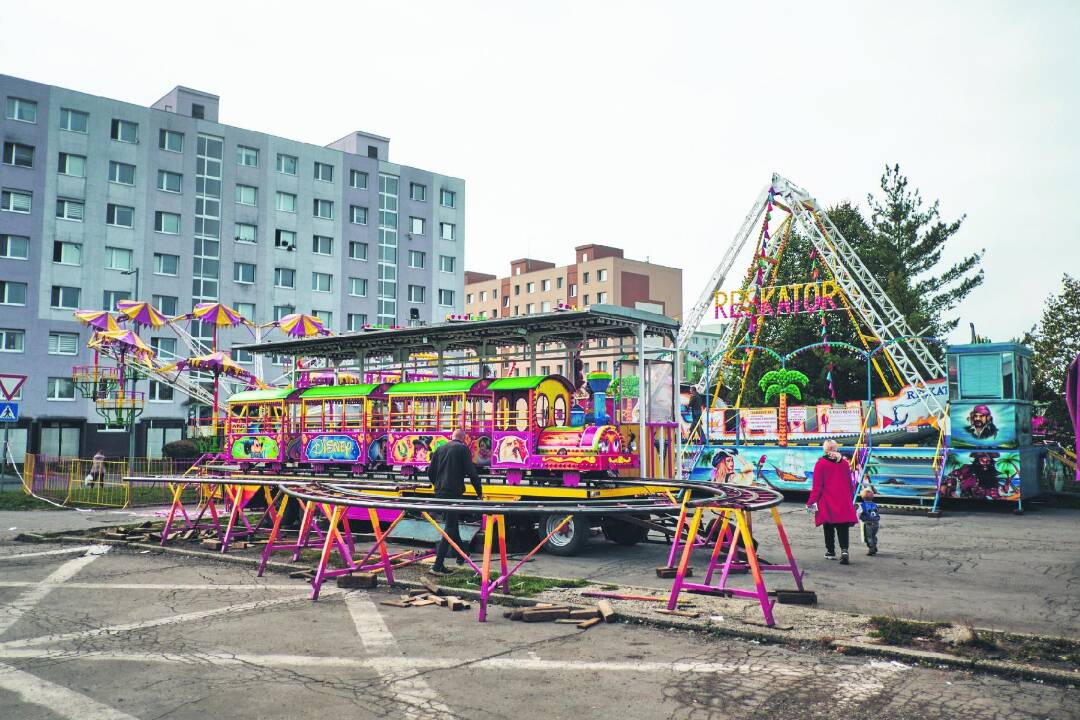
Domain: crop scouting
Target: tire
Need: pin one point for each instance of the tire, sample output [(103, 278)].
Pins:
[(570, 540), (623, 533)]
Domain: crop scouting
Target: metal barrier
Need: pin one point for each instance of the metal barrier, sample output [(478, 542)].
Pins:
[(75, 481)]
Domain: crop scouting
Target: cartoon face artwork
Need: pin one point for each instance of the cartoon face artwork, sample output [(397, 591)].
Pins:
[(255, 447), (980, 423), (481, 451), (511, 450)]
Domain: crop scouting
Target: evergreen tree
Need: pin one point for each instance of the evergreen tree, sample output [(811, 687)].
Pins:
[(1056, 344), (904, 252)]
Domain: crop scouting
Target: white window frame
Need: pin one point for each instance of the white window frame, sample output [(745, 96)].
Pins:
[(240, 192), (280, 242), (238, 275), (58, 347), (114, 177), (68, 113), (416, 225), (354, 175), (118, 125), (4, 285), (112, 252), (443, 193), (65, 244), (356, 326), (358, 283), (423, 259), (442, 265), (33, 151), (162, 181), (254, 233), (14, 109), (358, 244), (17, 334), (57, 382), (159, 267), (422, 294), (353, 213), (279, 274), (116, 208), (451, 303), (324, 167), (423, 192), (244, 152), (316, 282), (322, 208), (316, 245), (70, 204), (11, 206), (282, 162), (163, 140), (6, 244), (159, 222), (447, 235), (78, 298), (283, 196)]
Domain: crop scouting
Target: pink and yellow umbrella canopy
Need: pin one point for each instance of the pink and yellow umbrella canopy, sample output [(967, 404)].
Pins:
[(218, 363), (300, 325), (97, 319), (142, 313), (218, 315), (125, 340)]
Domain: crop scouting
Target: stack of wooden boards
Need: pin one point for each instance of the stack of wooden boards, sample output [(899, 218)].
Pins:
[(584, 618)]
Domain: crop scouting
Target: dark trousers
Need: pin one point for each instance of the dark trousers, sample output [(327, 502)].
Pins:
[(450, 526), (697, 429), (869, 533), (841, 532)]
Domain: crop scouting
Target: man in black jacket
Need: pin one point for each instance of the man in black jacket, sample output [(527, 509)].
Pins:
[(450, 463)]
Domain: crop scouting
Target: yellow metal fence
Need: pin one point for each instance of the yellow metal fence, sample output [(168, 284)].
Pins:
[(75, 481)]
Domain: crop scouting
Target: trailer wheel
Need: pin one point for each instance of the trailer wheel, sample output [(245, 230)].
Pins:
[(568, 541), (621, 532)]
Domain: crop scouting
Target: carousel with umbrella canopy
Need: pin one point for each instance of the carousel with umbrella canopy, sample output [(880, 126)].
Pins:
[(94, 381), (218, 365), (299, 325), (123, 404)]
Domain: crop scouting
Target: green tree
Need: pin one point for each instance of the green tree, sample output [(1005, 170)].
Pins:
[(904, 252), (1056, 344)]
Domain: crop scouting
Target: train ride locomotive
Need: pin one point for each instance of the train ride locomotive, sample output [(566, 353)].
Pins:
[(514, 426)]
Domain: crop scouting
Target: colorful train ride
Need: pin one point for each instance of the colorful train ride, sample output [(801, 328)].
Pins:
[(514, 425)]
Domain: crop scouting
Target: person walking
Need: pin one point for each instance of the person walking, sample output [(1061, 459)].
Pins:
[(97, 468), (697, 405), (449, 465), (871, 519), (831, 500)]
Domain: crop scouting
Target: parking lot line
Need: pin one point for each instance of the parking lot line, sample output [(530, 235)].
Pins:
[(56, 698)]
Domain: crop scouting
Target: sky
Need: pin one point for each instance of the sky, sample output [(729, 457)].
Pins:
[(649, 126)]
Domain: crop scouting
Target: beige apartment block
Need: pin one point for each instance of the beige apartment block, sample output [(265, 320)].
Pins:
[(599, 275)]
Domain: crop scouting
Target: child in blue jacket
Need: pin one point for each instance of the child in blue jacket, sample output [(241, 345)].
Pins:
[(871, 519)]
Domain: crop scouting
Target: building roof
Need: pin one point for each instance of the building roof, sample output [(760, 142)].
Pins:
[(431, 387), (598, 321), (339, 391), (262, 395), (528, 382)]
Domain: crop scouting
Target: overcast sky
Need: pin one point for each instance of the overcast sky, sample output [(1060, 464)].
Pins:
[(650, 126)]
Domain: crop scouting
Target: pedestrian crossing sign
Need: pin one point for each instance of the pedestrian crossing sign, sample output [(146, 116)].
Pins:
[(9, 412)]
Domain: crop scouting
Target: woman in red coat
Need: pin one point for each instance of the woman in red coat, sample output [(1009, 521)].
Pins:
[(831, 499)]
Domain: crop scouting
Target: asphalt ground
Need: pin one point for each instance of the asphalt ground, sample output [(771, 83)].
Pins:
[(87, 632)]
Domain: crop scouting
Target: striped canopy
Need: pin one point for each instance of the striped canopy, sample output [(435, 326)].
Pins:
[(212, 313), (142, 313), (124, 340), (97, 319), (300, 325), (217, 363)]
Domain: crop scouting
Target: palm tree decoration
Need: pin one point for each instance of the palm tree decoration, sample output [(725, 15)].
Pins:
[(782, 382), (1009, 464)]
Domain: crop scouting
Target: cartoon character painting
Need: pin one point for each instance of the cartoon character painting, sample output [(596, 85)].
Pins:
[(980, 423), (481, 451), (985, 476), (255, 447), (511, 450)]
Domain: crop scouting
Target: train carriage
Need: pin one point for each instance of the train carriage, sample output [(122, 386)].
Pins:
[(259, 427), (343, 426)]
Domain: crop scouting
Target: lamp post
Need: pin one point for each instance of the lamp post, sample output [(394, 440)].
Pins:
[(134, 379)]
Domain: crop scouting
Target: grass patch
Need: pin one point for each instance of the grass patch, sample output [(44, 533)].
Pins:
[(520, 585), (894, 631), (18, 500)]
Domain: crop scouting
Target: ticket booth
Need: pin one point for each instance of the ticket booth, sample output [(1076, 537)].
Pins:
[(990, 406)]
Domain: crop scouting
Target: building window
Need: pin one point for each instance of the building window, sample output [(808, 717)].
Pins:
[(124, 131), (483, 294), (357, 321), (64, 297), (198, 111), (416, 259), (358, 215), (416, 226), (12, 293), (117, 258), (286, 202), (447, 198), (601, 275), (246, 310), (530, 287), (62, 343), (16, 201), (165, 264), (386, 293), (416, 293), (573, 290), (358, 179), (119, 215), (244, 273), (446, 298), (358, 287), (60, 389), (167, 305), (506, 301), (322, 245), (73, 120), (21, 155), (286, 164), (285, 239), (326, 316), (529, 309), (67, 253), (281, 311), (169, 181), (585, 278), (418, 192), (247, 195), (324, 172), (322, 282), (601, 297), (545, 306), (13, 341), (110, 298), (446, 231), (586, 298), (517, 290), (358, 250), (246, 233), (469, 299), (121, 173), (284, 278), (601, 366), (160, 392), (168, 223), (545, 286), (247, 156), (21, 110), (323, 209), (14, 247), (167, 140)]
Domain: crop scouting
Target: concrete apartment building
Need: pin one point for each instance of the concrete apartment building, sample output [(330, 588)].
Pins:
[(599, 275), (102, 198)]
